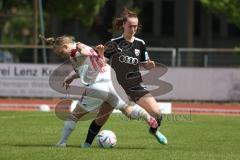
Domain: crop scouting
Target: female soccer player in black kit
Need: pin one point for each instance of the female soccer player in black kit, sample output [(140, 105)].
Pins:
[(125, 54)]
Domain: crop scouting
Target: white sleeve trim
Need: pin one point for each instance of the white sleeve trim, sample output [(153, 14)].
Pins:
[(144, 62)]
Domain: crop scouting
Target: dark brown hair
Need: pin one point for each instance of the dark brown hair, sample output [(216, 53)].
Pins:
[(119, 21)]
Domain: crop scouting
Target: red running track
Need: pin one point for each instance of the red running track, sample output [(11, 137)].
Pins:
[(193, 108)]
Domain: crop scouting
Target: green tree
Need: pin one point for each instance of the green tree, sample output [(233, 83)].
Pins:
[(231, 8), (16, 22), (17, 16), (83, 10)]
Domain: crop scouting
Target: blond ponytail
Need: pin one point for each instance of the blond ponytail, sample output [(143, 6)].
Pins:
[(49, 40)]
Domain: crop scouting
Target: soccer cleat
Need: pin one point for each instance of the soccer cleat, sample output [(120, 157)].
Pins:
[(85, 145), (159, 136), (61, 145)]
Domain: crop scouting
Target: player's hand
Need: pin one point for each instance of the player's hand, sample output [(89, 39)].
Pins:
[(67, 81), (149, 65), (100, 48)]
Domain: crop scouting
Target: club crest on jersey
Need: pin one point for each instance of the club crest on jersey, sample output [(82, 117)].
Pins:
[(137, 52)]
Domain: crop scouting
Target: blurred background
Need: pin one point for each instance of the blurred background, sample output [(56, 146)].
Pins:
[(197, 40)]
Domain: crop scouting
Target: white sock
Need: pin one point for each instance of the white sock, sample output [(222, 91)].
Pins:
[(139, 113), (67, 130)]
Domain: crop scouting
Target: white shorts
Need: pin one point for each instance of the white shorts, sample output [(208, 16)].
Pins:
[(104, 91)]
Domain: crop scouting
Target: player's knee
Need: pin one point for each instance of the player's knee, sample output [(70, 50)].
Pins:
[(73, 117)]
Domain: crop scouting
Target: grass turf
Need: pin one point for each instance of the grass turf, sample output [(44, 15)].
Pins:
[(32, 135)]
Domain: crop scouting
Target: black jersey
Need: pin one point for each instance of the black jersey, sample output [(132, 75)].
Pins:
[(125, 58)]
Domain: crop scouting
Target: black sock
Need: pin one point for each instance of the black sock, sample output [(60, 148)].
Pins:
[(159, 121), (92, 132)]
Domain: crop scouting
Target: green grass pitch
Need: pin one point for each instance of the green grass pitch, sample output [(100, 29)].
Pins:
[(32, 135)]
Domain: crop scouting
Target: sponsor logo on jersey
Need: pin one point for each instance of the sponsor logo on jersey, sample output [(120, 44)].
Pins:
[(128, 60), (137, 52)]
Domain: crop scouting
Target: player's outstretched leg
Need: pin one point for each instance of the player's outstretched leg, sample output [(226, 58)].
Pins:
[(68, 128), (93, 130), (70, 124), (151, 106), (136, 112), (157, 134)]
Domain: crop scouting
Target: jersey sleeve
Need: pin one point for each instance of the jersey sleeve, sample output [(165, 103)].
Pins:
[(107, 55), (111, 48), (108, 50), (144, 54)]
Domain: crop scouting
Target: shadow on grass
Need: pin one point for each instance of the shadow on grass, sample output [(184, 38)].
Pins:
[(77, 146)]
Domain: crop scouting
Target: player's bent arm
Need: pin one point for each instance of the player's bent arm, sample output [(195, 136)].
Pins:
[(83, 49), (68, 80)]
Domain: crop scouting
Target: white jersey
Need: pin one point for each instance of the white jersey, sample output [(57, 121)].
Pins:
[(90, 67), (98, 81)]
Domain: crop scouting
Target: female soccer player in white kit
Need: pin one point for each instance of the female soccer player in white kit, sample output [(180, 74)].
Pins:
[(95, 74)]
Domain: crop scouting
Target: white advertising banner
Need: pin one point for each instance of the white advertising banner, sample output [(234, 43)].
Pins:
[(203, 84), (207, 84), (26, 80)]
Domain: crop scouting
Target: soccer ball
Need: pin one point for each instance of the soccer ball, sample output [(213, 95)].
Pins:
[(106, 139), (44, 108)]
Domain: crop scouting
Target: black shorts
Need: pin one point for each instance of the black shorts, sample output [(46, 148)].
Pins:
[(135, 92)]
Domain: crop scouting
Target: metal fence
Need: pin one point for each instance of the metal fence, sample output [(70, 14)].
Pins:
[(174, 57), (208, 57), (196, 57)]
